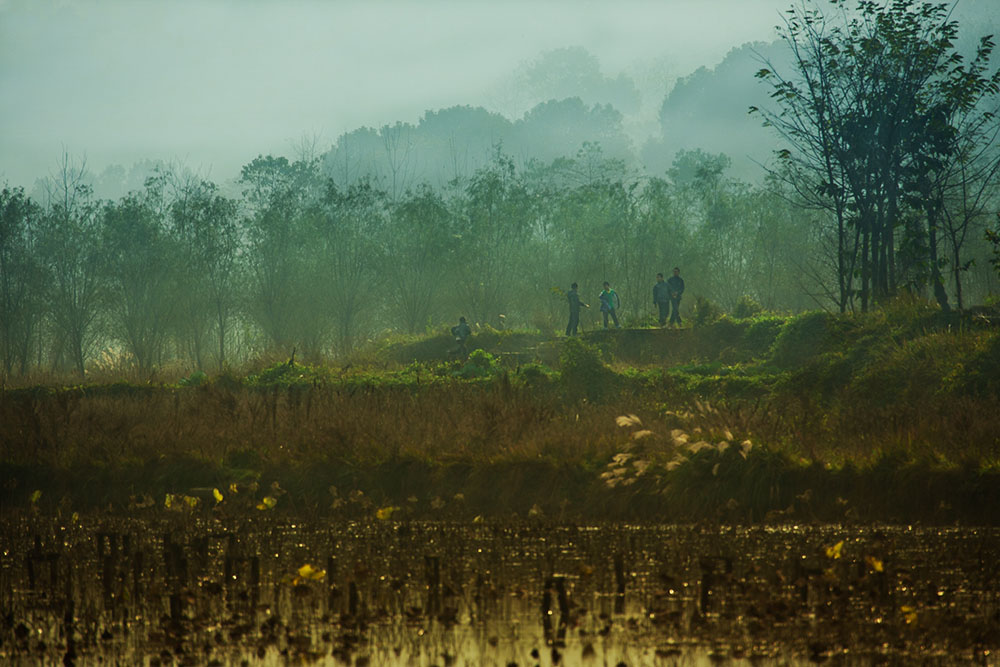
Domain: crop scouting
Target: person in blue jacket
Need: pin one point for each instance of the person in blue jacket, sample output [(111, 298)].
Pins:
[(610, 302)]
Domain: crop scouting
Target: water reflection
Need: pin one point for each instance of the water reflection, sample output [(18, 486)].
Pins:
[(264, 591)]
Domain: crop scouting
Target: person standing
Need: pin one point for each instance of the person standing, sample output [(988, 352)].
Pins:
[(661, 298), (676, 287), (574, 310), (609, 304), (461, 332)]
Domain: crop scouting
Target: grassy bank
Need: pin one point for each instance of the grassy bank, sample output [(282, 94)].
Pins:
[(887, 416)]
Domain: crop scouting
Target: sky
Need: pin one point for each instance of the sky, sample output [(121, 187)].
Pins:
[(212, 83)]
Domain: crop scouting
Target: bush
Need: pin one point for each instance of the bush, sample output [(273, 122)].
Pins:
[(980, 374), (705, 312), (582, 372), (760, 337), (480, 364), (746, 308), (802, 338), (196, 379)]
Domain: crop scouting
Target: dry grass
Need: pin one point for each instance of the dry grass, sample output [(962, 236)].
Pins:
[(478, 423)]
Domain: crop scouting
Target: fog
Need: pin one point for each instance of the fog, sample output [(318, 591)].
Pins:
[(212, 84)]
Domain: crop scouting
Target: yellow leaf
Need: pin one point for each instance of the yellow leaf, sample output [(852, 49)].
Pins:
[(168, 502), (233, 488), (308, 572), (384, 513), (35, 495), (909, 613), (267, 502), (874, 563), (75, 518), (835, 551), (192, 501), (218, 495)]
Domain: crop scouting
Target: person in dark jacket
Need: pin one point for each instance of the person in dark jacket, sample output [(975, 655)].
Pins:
[(574, 310), (461, 332), (661, 298), (675, 284)]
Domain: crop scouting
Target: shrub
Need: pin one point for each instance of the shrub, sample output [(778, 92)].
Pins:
[(535, 374), (582, 372), (802, 338), (479, 365), (194, 380), (760, 337), (980, 375), (705, 312), (746, 308)]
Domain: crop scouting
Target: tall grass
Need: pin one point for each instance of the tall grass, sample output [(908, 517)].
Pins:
[(826, 401)]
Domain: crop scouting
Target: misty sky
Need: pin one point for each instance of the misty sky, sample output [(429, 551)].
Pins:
[(211, 84)]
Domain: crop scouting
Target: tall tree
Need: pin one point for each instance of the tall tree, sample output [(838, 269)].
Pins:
[(205, 224), (496, 216), (277, 194), (865, 112), (22, 283), (142, 270), (72, 256), (350, 244), (421, 243)]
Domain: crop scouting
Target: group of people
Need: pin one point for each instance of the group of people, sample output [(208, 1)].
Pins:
[(666, 297)]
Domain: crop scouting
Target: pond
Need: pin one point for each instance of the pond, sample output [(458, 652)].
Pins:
[(187, 590)]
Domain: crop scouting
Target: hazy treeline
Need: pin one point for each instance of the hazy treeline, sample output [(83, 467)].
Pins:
[(180, 270), (887, 186)]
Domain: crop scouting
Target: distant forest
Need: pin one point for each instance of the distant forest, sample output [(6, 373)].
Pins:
[(402, 229)]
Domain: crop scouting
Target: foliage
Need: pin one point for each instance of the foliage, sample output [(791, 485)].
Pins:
[(802, 338), (889, 128), (705, 312), (993, 237), (480, 364), (195, 379), (582, 372), (746, 307)]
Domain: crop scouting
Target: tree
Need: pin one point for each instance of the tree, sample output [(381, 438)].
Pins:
[(21, 279), (993, 238), (278, 195), (73, 259), (496, 220), (867, 114), (205, 225), (421, 243), (141, 272), (350, 242)]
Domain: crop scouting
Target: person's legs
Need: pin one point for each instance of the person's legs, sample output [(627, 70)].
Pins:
[(605, 313), (574, 321), (614, 316), (675, 314), (664, 311)]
